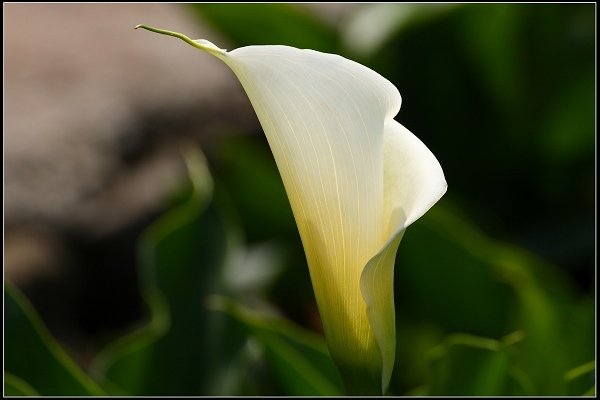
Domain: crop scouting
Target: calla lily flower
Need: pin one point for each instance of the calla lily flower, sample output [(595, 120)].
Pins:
[(355, 179)]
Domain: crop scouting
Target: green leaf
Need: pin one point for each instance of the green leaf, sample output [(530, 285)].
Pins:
[(276, 23), (466, 365), (14, 386), (181, 257), (490, 37), (298, 358), (567, 139), (444, 277), (249, 176), (467, 282), (581, 379), (32, 354)]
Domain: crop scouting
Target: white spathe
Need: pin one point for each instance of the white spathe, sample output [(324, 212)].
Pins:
[(355, 179)]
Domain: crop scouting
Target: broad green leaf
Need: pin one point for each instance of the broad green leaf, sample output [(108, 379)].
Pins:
[(290, 24), (247, 172), (298, 358), (466, 365), (467, 282), (181, 258), (567, 139), (14, 386), (451, 284), (491, 41), (32, 354)]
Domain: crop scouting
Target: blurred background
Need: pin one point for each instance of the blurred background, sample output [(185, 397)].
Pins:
[(149, 247)]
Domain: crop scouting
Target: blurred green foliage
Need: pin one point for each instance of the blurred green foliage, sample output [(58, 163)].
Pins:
[(276, 23), (14, 386), (470, 366), (504, 96), (298, 358), (181, 255), (34, 363)]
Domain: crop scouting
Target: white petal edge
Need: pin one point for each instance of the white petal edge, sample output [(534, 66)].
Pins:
[(324, 117), (413, 178), (377, 287), (413, 183)]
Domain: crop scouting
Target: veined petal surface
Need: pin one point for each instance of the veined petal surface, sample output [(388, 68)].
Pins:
[(324, 118), (355, 179)]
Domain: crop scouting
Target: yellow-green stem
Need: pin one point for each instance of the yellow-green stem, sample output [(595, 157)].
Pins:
[(202, 45)]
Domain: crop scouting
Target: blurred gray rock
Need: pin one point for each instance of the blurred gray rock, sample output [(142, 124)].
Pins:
[(96, 112)]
